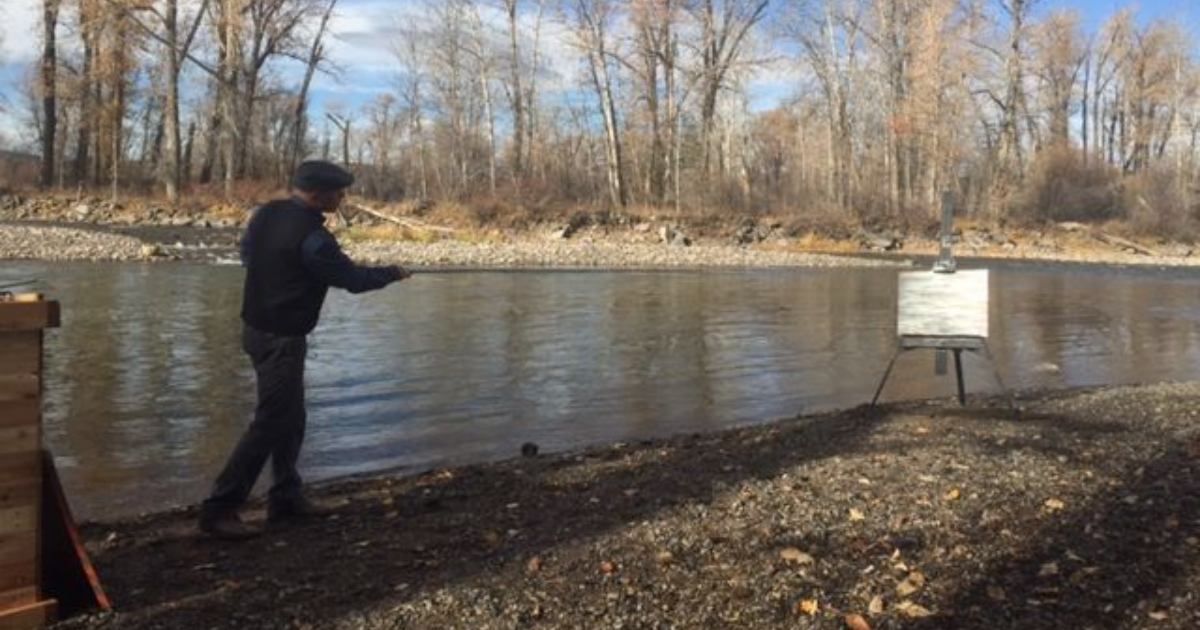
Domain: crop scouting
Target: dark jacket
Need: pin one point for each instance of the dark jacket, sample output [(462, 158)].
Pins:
[(291, 260)]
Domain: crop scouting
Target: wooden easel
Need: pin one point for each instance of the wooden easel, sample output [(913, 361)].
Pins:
[(944, 343), (41, 554), (944, 310)]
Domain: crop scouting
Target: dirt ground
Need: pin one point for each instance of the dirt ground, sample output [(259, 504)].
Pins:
[(1082, 513)]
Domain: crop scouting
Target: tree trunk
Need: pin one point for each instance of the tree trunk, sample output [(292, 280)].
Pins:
[(84, 138), (231, 58), (49, 89), (171, 175), (491, 123), (518, 102), (212, 139), (531, 121), (300, 115), (618, 195), (186, 167), (1083, 123)]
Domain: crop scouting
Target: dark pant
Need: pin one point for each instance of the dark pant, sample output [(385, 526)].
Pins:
[(278, 427)]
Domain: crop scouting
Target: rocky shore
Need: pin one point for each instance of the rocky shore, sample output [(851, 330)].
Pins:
[(1084, 512), (600, 254), (57, 243), (57, 228), (40, 229)]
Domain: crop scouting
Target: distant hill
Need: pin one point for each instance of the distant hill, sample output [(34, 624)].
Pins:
[(18, 169), (18, 157)]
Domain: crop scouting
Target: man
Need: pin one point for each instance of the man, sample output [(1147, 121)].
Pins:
[(291, 260)]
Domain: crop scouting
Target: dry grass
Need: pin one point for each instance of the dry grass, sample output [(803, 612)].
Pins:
[(389, 233), (820, 243)]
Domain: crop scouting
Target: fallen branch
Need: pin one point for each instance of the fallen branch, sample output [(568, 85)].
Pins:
[(408, 223), (1117, 241)]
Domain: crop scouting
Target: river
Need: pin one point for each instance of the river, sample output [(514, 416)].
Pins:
[(147, 389)]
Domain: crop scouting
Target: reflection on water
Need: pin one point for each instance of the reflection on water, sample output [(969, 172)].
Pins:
[(147, 388)]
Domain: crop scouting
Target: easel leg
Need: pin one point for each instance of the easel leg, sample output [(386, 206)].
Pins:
[(962, 388), (886, 374), (1012, 397)]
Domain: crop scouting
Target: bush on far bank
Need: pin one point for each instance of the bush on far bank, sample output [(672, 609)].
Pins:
[(1062, 186)]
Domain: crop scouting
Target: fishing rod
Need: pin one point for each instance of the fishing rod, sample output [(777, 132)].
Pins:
[(6, 288), (17, 283)]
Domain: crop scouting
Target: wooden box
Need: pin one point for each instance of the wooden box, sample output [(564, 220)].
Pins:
[(22, 320)]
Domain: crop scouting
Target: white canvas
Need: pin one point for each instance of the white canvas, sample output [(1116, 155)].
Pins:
[(943, 304)]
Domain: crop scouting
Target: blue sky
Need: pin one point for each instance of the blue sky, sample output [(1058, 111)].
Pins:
[(1096, 11), (364, 31)]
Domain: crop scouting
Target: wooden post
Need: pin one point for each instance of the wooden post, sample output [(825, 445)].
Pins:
[(23, 317)]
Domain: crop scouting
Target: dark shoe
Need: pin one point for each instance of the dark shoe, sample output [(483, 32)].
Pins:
[(295, 510), (227, 526)]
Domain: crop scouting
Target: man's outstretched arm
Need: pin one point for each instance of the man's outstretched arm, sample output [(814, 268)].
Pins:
[(326, 261)]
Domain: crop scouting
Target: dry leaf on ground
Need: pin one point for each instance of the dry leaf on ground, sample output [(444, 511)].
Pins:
[(911, 610), (911, 584), (795, 556)]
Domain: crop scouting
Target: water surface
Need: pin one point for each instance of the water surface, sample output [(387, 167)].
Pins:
[(147, 388)]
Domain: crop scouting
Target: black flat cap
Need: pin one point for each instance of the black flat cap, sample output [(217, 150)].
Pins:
[(320, 176)]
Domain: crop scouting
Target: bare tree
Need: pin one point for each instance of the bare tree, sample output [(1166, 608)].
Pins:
[(49, 88), (1059, 56), (830, 39), (480, 50), (1013, 104), (175, 49), (316, 55), (343, 124), (724, 25), (516, 94), (592, 21)]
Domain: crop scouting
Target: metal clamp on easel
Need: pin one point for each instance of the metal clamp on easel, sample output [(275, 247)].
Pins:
[(945, 310)]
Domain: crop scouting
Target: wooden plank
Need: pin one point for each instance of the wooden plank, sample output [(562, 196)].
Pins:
[(18, 575), (24, 466), (20, 492), (21, 352), (20, 520), (18, 548), (20, 439), (20, 412), (20, 386), (943, 304), (29, 617), (18, 597), (944, 343), (29, 315)]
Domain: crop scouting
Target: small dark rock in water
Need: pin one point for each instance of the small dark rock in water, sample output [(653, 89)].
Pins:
[(529, 449)]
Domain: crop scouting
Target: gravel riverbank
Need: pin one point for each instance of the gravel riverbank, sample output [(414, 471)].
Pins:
[(56, 243), (31, 241), (1083, 513), (209, 232), (594, 254)]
